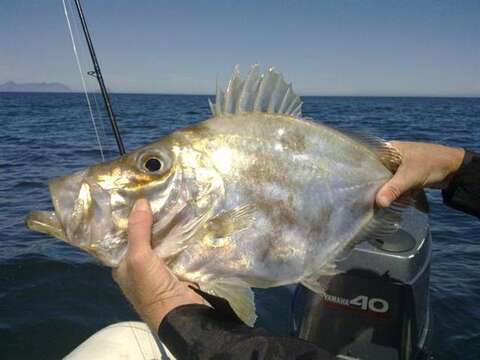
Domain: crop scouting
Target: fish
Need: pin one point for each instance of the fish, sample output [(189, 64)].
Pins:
[(256, 196)]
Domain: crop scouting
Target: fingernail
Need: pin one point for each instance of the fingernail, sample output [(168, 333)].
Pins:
[(141, 205)]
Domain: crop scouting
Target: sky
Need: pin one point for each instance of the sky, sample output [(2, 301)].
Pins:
[(337, 47)]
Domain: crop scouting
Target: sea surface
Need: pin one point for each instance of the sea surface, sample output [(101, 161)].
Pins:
[(53, 296)]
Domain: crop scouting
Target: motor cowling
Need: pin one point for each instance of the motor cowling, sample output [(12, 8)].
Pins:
[(377, 306)]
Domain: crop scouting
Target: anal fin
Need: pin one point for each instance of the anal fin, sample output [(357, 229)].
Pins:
[(315, 285), (329, 269), (318, 282), (238, 294)]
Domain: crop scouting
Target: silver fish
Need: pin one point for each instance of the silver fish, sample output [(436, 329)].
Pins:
[(255, 196)]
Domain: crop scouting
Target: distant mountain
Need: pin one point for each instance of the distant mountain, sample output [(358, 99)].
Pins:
[(11, 86)]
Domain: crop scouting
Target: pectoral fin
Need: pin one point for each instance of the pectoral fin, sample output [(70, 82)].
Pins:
[(175, 239), (229, 222), (238, 294)]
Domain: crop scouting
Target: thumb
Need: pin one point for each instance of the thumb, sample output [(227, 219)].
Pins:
[(140, 227), (403, 180)]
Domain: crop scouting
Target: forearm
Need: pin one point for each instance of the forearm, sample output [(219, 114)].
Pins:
[(463, 191), (203, 332)]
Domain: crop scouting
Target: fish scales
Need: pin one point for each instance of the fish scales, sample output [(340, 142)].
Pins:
[(255, 196), (298, 194)]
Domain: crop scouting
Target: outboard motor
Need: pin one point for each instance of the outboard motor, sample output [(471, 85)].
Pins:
[(378, 306)]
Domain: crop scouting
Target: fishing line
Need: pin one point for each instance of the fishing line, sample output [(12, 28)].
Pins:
[(99, 114), (97, 73), (93, 95), (87, 97), (84, 85)]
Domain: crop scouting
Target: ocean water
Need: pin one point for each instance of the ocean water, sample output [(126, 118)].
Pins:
[(53, 296)]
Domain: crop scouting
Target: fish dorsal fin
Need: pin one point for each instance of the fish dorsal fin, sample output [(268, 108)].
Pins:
[(268, 93), (386, 153)]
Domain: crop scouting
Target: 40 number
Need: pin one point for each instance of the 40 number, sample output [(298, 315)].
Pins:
[(372, 304)]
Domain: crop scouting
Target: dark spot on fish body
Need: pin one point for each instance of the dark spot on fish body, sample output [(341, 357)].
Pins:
[(269, 170), (326, 214), (293, 141), (285, 214), (269, 241), (290, 201), (280, 212), (359, 206)]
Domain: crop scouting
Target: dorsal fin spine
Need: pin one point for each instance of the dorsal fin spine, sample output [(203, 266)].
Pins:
[(218, 102), (212, 106), (232, 92), (298, 110), (267, 93), (249, 90), (263, 91), (284, 103), (277, 89), (283, 87), (293, 105)]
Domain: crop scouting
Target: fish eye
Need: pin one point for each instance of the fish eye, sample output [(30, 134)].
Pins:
[(153, 164)]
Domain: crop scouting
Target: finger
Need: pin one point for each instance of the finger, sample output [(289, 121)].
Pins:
[(140, 228), (403, 181)]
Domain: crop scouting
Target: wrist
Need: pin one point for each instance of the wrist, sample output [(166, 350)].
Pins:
[(458, 154), (154, 313), (456, 157)]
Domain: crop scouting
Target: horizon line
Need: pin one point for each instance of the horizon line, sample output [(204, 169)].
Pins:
[(469, 96)]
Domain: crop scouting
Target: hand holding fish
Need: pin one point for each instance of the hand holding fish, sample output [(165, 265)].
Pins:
[(144, 278), (423, 165)]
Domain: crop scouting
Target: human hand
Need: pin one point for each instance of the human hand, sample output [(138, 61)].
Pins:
[(144, 278), (423, 165)]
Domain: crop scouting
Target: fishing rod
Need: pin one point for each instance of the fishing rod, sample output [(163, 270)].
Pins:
[(97, 73)]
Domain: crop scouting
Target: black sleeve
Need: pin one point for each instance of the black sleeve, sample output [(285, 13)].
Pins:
[(463, 191), (203, 332)]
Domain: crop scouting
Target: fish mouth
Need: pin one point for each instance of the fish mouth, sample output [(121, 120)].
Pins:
[(82, 217), (45, 222), (70, 198), (64, 192)]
